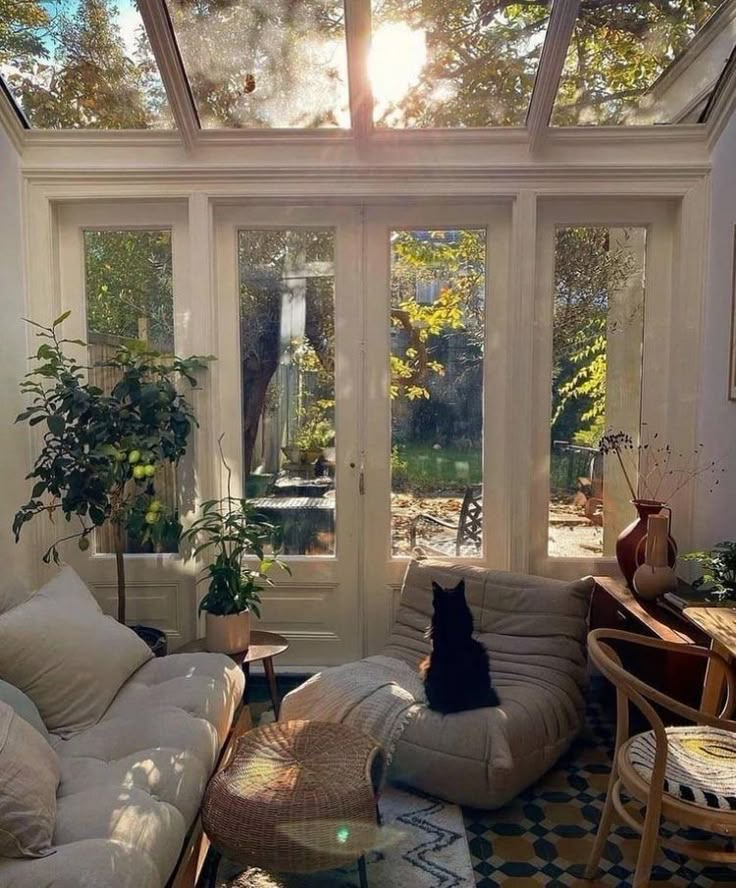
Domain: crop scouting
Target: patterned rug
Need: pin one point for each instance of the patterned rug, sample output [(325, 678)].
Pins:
[(544, 836)]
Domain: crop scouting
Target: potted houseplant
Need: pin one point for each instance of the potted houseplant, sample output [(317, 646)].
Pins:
[(719, 570), (101, 451), (232, 533), (315, 432)]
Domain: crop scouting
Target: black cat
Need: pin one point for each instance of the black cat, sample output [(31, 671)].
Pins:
[(457, 673)]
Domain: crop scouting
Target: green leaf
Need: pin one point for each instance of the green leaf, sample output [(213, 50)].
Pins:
[(60, 319), (56, 424)]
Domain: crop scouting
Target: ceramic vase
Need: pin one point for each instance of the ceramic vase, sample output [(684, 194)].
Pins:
[(629, 549), (227, 634), (655, 576)]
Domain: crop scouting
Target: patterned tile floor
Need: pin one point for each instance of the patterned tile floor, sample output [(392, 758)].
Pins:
[(544, 836)]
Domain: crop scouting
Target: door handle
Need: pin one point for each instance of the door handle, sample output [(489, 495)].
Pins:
[(361, 480)]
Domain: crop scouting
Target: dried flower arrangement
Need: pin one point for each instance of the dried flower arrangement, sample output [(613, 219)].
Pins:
[(659, 471)]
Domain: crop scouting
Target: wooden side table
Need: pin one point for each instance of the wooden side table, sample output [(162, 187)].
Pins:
[(263, 646), (614, 606)]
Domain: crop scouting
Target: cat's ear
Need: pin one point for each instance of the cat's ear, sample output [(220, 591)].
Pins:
[(459, 590)]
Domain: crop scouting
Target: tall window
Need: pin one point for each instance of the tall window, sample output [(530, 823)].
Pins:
[(130, 298), (596, 382)]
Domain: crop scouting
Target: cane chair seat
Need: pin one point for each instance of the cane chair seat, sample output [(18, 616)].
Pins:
[(701, 764)]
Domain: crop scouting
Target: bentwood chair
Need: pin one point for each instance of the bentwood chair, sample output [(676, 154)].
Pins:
[(683, 774)]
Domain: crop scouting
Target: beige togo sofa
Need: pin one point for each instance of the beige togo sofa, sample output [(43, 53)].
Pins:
[(132, 778), (535, 631)]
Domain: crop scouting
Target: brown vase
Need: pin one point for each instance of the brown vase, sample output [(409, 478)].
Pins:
[(629, 551)]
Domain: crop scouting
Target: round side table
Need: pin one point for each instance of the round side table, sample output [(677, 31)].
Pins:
[(263, 646)]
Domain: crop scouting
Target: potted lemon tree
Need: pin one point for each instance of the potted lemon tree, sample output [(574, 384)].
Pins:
[(237, 541), (101, 451)]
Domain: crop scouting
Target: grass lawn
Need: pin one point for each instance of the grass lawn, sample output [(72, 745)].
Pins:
[(427, 468)]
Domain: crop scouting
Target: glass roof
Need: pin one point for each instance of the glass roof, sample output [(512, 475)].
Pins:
[(264, 63), (616, 56), (283, 64), (74, 64)]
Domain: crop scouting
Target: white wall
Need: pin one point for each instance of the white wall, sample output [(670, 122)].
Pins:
[(715, 516), (15, 560)]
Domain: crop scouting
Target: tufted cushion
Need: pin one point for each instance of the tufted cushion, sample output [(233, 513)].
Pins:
[(535, 632), (60, 649), (701, 764), (131, 785)]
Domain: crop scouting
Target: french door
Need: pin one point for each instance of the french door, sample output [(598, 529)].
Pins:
[(359, 350)]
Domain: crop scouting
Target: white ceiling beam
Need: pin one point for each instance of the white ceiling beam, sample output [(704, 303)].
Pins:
[(166, 52), (722, 103), (554, 51), (10, 120), (358, 39)]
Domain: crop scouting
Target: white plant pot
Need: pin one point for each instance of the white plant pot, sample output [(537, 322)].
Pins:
[(229, 634)]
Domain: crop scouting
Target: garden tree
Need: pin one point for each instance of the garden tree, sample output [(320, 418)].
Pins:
[(128, 282), (588, 268), (101, 452), (70, 68)]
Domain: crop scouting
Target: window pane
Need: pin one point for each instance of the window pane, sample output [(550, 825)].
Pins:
[(129, 296), (635, 63), (437, 334), (76, 64), (287, 350), (456, 64), (596, 383), (264, 63)]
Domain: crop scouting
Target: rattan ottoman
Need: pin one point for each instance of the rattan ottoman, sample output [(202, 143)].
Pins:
[(297, 797)]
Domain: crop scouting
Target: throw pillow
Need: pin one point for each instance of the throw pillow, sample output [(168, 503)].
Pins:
[(23, 706), (60, 649), (29, 777)]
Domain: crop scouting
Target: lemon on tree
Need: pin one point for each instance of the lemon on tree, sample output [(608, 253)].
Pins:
[(149, 471), (134, 457), (139, 472)]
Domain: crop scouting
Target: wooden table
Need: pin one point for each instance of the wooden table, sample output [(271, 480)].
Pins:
[(719, 624), (263, 646), (614, 606)]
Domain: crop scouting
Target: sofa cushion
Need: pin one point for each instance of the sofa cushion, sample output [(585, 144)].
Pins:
[(23, 706), (60, 649), (29, 776)]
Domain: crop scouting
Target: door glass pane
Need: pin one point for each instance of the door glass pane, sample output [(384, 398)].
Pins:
[(596, 383), (287, 353), (130, 297), (264, 63), (437, 333), (465, 64)]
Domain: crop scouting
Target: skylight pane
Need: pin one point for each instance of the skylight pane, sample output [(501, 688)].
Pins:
[(466, 63), (635, 63), (264, 63), (81, 64)]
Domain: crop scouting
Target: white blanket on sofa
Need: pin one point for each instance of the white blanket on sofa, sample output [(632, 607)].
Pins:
[(377, 696)]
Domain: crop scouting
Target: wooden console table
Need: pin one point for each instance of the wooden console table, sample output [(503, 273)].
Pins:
[(614, 606), (719, 626)]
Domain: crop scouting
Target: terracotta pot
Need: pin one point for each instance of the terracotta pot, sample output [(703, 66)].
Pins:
[(228, 634), (629, 549), (655, 577)]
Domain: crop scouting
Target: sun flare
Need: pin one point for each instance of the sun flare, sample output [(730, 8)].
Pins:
[(398, 55)]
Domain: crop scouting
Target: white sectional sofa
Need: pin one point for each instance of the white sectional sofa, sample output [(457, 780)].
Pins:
[(132, 782)]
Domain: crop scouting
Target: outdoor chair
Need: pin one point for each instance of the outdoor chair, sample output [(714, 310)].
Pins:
[(683, 774), (468, 530)]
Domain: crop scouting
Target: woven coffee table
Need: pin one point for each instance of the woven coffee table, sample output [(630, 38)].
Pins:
[(297, 797)]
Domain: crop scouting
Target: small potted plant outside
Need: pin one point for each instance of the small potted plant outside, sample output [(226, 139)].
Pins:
[(315, 432), (719, 570), (233, 533)]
